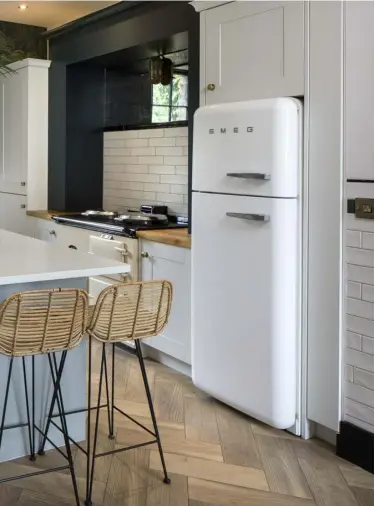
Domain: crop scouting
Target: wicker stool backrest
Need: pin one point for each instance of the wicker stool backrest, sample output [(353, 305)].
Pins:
[(42, 321), (131, 311)]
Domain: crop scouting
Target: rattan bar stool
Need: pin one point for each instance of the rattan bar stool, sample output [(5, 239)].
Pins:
[(34, 323), (126, 311)]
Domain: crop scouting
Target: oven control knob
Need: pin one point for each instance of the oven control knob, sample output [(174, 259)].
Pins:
[(144, 254)]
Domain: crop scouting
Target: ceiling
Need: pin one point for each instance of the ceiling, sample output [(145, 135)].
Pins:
[(49, 14)]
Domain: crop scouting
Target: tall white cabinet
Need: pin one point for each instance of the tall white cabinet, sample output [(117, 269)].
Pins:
[(24, 132), (252, 50)]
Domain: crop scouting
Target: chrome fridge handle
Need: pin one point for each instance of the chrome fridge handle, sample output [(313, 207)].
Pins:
[(250, 175), (249, 217)]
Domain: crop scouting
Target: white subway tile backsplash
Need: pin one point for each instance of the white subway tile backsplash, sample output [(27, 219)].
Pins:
[(359, 411), (135, 143), (368, 345), (353, 290), (169, 198), (353, 341), (353, 223), (175, 132), (177, 188), (182, 141), (349, 373), (360, 308), (143, 152), (182, 170), (161, 169), (175, 160), (360, 274), (359, 325), (115, 143), (359, 394), (359, 360), (164, 141), (135, 170), (368, 293), (363, 378), (353, 238), (156, 187), (361, 257), (117, 152), (149, 133), (173, 151), (367, 241), (174, 179)]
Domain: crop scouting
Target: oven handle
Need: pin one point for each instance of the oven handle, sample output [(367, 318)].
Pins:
[(249, 217), (250, 175)]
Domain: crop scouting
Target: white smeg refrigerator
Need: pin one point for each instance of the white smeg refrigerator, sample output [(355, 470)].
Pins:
[(246, 256)]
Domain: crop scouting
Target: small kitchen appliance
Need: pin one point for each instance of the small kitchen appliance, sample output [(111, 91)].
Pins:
[(246, 256)]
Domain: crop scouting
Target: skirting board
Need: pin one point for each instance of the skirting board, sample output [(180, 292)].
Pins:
[(356, 445)]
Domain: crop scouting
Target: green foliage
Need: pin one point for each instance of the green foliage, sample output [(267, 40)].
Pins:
[(170, 102), (9, 54)]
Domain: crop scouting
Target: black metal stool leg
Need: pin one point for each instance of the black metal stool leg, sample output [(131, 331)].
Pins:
[(60, 405), (6, 400), (88, 444), (113, 390), (110, 424), (88, 501), (52, 407), (151, 407), (30, 429)]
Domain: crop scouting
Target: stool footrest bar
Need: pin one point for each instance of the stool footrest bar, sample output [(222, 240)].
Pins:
[(36, 473), (52, 443), (70, 439), (119, 450), (135, 421), (76, 411)]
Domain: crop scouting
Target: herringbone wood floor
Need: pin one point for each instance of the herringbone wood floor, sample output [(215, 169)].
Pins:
[(215, 456)]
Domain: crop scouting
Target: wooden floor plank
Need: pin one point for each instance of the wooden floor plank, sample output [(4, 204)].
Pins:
[(174, 494), (9, 495), (327, 484), (237, 439), (212, 471), (262, 429), (356, 477), (227, 495), (32, 498), (171, 444), (168, 400), (200, 419), (128, 479), (364, 496), (135, 390), (281, 466)]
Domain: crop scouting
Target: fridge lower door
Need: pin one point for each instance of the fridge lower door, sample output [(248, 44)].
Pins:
[(245, 303)]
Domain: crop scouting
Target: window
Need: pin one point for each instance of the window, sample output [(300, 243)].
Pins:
[(169, 103)]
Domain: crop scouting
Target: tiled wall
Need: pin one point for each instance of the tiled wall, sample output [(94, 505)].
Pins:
[(359, 338), (146, 167)]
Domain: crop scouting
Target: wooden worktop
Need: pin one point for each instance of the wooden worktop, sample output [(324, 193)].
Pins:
[(46, 215), (173, 236)]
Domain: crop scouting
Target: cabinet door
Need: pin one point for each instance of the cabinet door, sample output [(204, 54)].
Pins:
[(254, 50), (13, 132), (359, 90), (173, 264), (13, 214)]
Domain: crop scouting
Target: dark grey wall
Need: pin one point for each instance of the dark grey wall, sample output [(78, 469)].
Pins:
[(77, 98)]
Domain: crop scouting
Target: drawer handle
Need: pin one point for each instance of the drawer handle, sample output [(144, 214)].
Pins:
[(71, 246), (250, 175), (52, 232), (249, 217), (124, 251), (144, 254)]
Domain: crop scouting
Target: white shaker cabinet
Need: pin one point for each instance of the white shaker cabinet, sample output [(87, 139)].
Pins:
[(359, 90), (162, 261), (252, 50), (24, 131), (13, 215)]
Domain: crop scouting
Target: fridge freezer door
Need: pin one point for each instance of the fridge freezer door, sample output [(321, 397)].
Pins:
[(248, 148), (244, 303)]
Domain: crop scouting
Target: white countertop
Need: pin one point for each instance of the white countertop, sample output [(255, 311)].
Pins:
[(27, 260)]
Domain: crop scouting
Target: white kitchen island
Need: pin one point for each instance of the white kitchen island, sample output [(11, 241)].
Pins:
[(30, 264)]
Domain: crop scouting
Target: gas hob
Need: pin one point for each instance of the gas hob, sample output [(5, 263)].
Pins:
[(116, 227)]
